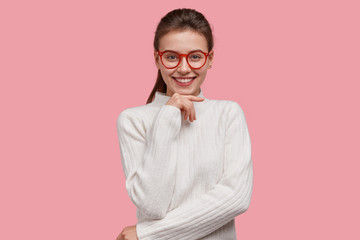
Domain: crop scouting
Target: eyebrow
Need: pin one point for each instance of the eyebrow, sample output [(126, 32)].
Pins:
[(189, 51)]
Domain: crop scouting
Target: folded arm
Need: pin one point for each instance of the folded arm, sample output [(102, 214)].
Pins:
[(213, 209), (148, 159)]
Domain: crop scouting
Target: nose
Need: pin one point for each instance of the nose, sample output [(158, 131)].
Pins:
[(183, 65)]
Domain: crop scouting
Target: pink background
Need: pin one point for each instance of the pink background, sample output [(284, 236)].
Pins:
[(68, 68)]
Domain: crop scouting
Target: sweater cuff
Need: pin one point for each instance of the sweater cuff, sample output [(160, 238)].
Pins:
[(140, 226)]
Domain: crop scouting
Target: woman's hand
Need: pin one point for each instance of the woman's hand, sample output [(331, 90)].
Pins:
[(128, 233), (185, 104)]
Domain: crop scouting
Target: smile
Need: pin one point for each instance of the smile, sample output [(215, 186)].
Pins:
[(184, 80)]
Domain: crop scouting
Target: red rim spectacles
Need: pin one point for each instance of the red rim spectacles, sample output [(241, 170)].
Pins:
[(180, 57)]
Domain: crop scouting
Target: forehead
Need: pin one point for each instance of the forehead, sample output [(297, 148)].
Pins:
[(183, 41)]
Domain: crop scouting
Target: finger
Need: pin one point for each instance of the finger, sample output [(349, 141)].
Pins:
[(192, 114), (184, 111), (186, 114), (197, 99), (119, 237), (187, 110), (191, 110)]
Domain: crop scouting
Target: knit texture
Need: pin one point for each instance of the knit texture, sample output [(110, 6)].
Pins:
[(188, 180)]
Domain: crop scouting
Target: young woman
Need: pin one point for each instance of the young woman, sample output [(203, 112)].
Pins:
[(186, 158)]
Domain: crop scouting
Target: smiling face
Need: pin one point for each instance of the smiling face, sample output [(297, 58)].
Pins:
[(183, 42)]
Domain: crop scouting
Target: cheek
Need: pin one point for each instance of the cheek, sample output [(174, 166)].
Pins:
[(202, 73), (165, 74)]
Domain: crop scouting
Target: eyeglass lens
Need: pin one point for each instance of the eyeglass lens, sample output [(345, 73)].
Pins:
[(195, 59)]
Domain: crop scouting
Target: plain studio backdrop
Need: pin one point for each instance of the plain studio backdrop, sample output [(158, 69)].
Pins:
[(68, 68)]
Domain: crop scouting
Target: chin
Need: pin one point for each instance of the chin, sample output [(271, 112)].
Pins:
[(187, 92)]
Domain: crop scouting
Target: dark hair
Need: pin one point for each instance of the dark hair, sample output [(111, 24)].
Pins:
[(178, 20)]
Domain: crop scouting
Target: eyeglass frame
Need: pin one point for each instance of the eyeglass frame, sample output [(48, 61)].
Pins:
[(180, 57)]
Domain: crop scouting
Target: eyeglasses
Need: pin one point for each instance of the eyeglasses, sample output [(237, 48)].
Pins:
[(195, 59)]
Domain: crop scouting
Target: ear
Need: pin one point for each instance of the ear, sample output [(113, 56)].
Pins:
[(211, 58), (157, 59)]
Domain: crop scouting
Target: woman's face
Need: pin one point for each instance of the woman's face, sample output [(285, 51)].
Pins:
[(183, 42)]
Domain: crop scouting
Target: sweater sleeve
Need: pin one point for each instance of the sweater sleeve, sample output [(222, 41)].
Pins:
[(148, 159), (229, 197)]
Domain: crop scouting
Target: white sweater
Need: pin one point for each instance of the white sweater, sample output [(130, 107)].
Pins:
[(188, 180)]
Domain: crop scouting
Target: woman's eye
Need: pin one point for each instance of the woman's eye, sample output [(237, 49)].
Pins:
[(171, 57), (195, 57)]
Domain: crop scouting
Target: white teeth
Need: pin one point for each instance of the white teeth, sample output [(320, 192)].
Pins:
[(185, 80)]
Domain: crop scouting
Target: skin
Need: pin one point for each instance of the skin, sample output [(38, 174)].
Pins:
[(180, 96), (128, 233), (183, 41)]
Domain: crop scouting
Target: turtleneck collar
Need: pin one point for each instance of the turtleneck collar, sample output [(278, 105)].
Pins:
[(162, 98)]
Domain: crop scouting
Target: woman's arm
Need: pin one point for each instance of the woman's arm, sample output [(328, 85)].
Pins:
[(149, 160), (229, 198)]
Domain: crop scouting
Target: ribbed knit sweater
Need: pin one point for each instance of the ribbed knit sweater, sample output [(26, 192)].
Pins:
[(188, 180)]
